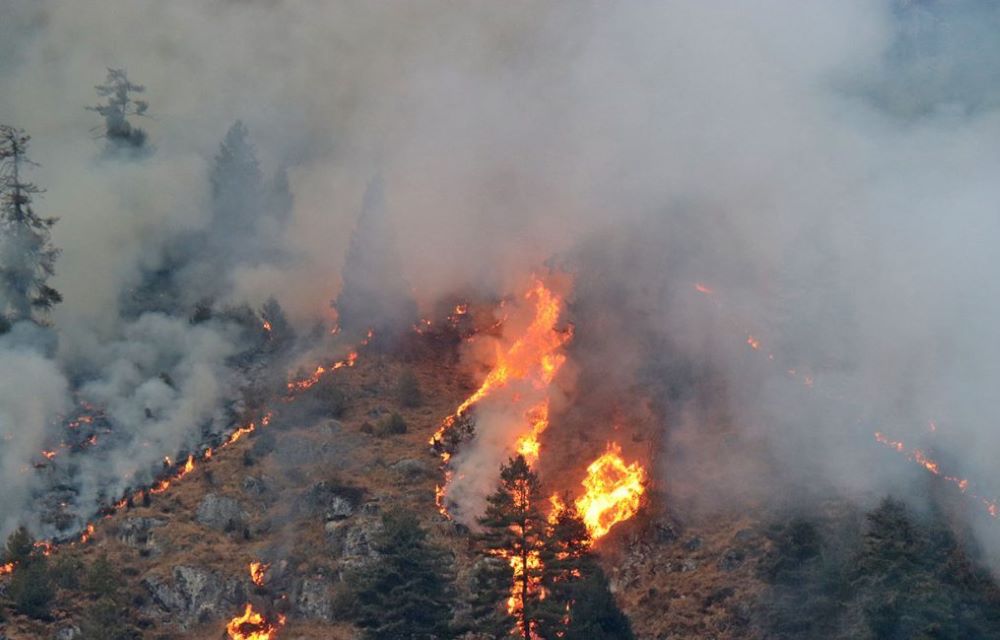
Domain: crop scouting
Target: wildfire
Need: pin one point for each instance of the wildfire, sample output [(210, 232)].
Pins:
[(297, 386), (612, 492), (534, 358), (253, 626), (6, 569), (257, 571), (917, 455)]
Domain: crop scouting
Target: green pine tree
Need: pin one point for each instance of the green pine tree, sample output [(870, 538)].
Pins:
[(405, 593)]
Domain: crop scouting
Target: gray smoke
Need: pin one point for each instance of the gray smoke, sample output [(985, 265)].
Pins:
[(827, 169)]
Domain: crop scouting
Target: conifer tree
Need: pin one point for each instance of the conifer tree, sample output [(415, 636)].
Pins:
[(31, 588), (27, 257), (514, 528), (375, 294), (405, 592), (579, 602), (118, 108)]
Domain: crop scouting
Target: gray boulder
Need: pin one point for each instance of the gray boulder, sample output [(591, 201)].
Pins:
[(221, 513), (195, 595), (138, 533), (313, 599)]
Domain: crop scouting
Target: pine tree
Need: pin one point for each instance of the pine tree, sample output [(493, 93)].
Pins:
[(374, 295), (405, 592), (31, 589), (579, 604), (27, 257), (515, 529), (119, 107), (278, 330), (237, 183), (20, 546)]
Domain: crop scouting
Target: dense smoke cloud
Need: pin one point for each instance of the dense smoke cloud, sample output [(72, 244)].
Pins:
[(828, 170)]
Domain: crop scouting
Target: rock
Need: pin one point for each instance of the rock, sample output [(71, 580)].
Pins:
[(352, 540), (692, 544), (744, 535), (313, 599), (221, 513), (332, 501), (66, 633), (730, 560), (256, 485), (138, 533), (195, 595)]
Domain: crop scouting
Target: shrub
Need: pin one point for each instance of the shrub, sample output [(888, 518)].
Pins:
[(31, 589), (393, 424), (408, 392)]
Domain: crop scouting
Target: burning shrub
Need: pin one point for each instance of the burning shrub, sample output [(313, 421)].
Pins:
[(392, 424)]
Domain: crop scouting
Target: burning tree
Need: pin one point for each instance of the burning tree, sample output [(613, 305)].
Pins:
[(120, 105), (547, 577), (27, 257), (516, 530), (404, 593)]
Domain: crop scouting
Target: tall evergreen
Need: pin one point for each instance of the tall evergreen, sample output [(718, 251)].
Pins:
[(375, 294), (514, 528), (405, 592), (118, 107), (27, 257), (31, 588)]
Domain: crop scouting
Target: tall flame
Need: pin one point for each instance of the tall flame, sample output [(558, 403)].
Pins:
[(533, 357), (612, 492)]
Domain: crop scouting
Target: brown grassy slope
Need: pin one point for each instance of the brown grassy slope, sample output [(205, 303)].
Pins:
[(670, 586)]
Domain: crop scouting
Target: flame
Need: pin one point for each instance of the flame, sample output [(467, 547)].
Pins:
[(296, 386), (920, 457), (267, 326), (6, 569), (253, 626), (700, 288), (257, 571), (612, 492), (754, 343), (87, 534), (533, 357)]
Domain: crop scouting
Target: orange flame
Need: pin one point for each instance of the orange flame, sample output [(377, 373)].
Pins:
[(6, 569), (253, 626), (613, 492), (257, 571), (916, 455), (533, 357)]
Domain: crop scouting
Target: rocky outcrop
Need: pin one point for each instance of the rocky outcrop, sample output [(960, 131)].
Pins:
[(138, 533), (353, 540), (331, 501), (195, 595), (221, 513), (313, 599)]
